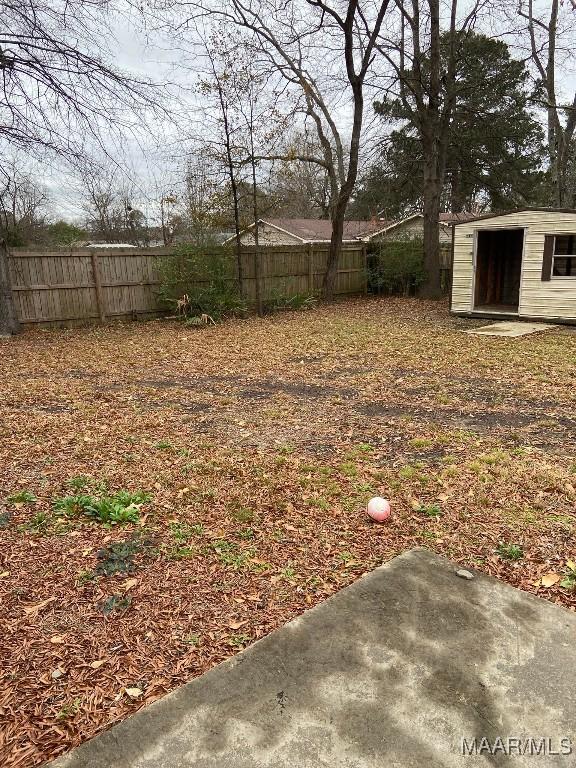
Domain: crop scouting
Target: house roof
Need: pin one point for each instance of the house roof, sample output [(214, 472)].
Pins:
[(455, 218), (445, 218), (321, 229)]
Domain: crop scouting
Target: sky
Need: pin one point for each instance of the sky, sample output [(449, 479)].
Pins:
[(150, 155)]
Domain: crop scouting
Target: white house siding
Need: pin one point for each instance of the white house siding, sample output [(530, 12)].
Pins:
[(269, 236), (555, 298)]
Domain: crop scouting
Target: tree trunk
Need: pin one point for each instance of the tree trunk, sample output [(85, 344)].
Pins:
[(8, 321), (432, 289), (331, 274)]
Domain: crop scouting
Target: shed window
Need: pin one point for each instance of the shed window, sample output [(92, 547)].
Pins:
[(564, 263)]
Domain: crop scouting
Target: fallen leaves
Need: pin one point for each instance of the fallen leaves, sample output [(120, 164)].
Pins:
[(251, 526), (237, 624), (549, 579), (129, 584), (31, 610), (134, 693)]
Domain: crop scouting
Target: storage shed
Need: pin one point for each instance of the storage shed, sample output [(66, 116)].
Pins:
[(517, 264)]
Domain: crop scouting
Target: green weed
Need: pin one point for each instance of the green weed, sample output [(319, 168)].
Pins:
[(430, 510), (21, 497), (117, 557), (79, 482), (121, 507), (115, 604), (69, 710), (510, 551)]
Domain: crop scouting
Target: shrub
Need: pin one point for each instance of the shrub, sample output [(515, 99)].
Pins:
[(279, 301), (397, 267), (201, 281)]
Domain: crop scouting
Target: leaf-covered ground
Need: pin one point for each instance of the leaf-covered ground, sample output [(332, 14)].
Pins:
[(259, 442)]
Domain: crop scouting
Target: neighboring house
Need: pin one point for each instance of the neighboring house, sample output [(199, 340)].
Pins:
[(297, 231), (413, 227), (519, 264), (283, 231)]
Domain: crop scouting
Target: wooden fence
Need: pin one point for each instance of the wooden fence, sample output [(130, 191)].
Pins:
[(81, 286)]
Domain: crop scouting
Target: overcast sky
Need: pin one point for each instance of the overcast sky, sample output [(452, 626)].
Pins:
[(147, 156)]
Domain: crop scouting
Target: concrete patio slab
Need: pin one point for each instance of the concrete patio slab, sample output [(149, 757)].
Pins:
[(510, 328), (392, 672)]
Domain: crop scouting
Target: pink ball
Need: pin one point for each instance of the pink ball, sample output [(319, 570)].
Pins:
[(379, 509)]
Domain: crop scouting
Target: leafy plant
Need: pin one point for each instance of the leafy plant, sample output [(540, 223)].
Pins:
[(117, 557), (84, 577), (121, 507), (69, 710), (21, 497), (201, 281), (115, 604), (510, 551), (569, 580)]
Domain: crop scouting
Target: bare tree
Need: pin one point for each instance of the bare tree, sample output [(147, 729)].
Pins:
[(55, 85), (543, 26), (227, 130), (298, 39), (108, 206), (22, 202), (301, 189)]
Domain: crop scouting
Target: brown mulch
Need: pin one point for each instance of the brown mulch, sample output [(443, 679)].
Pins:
[(260, 442)]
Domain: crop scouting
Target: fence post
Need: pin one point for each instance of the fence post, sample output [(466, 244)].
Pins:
[(310, 268), (97, 286), (258, 286), (8, 319), (365, 266)]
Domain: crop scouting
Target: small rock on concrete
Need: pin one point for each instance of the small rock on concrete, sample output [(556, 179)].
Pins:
[(464, 574)]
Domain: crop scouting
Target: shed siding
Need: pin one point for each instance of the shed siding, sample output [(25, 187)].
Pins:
[(555, 298)]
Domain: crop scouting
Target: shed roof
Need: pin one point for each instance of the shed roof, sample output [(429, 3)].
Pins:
[(514, 210)]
